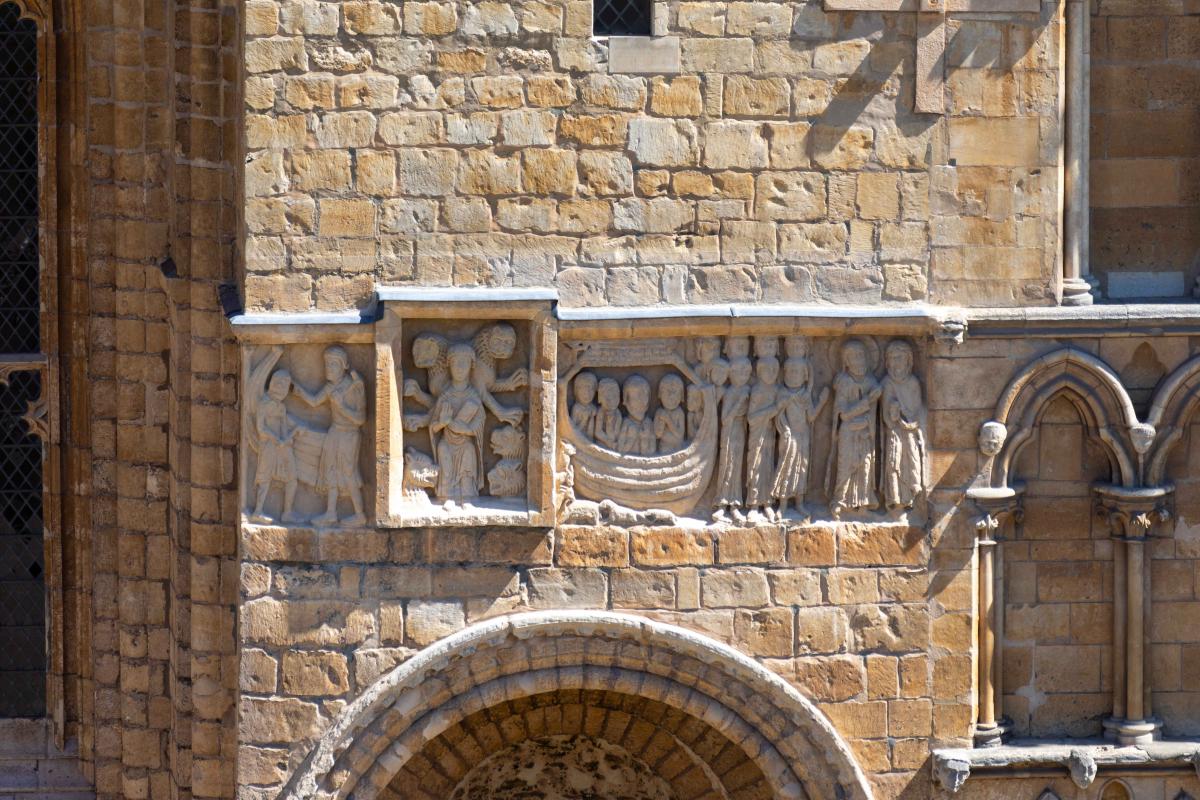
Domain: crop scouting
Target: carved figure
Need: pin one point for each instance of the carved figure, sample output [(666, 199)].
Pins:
[(737, 347), (794, 423), (276, 432), (670, 421), (695, 402), (456, 420), (903, 416), (337, 471), (637, 431), (991, 438), (796, 346), (507, 478), (609, 418), (583, 412), (766, 346), (851, 475), (760, 446), (707, 349), (734, 405), (492, 344)]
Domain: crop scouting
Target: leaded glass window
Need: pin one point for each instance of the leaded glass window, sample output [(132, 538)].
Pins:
[(621, 17), (22, 375)]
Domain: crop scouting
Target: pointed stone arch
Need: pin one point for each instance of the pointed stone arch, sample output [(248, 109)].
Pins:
[(1096, 392), (1175, 401), (509, 658)]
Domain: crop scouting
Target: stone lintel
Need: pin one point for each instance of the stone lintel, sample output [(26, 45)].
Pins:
[(644, 55)]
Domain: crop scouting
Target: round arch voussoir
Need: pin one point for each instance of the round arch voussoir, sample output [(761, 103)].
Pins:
[(509, 658)]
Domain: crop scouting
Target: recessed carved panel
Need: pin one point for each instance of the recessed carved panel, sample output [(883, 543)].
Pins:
[(306, 408), (465, 429)]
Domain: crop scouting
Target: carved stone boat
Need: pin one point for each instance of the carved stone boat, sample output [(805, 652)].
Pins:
[(673, 481)]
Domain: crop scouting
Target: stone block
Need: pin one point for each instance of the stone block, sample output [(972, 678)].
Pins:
[(668, 547), (765, 632), (732, 587), (585, 546), (734, 144), (632, 588), (551, 587), (663, 143), (315, 672), (430, 620)]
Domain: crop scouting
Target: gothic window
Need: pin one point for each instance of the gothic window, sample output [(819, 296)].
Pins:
[(621, 17), (22, 375)]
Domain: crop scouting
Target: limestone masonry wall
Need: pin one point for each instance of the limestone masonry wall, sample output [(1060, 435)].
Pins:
[(492, 143)]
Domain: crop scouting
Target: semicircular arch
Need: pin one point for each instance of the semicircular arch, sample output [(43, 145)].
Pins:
[(508, 658)]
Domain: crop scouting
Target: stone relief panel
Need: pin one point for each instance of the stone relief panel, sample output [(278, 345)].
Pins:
[(306, 407), (466, 436), (741, 429)]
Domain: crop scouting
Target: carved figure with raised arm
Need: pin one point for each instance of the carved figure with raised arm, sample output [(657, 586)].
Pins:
[(851, 475), (493, 344), (903, 414), (338, 470)]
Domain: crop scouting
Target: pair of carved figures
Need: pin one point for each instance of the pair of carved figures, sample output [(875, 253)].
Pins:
[(291, 452), (597, 413), (462, 382), (767, 428)]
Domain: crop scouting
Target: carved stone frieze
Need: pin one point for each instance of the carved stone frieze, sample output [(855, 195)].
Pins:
[(740, 429)]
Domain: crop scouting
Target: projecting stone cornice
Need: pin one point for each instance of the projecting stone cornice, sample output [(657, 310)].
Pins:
[(1083, 760)]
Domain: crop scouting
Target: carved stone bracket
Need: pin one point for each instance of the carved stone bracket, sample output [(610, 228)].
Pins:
[(1131, 515), (1000, 509)]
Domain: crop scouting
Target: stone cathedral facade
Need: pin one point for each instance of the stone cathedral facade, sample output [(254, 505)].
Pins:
[(612, 399)]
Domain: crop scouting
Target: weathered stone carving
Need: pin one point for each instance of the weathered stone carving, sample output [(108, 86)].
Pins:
[(637, 456), (903, 414), (730, 425), (338, 471), (462, 377), (735, 403), (851, 475), (794, 422), (291, 452)]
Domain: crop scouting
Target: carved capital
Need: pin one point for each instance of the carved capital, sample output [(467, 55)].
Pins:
[(1132, 513), (998, 508)]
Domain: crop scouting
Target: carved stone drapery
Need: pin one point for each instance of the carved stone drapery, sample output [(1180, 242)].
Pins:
[(1000, 513), (1132, 515)]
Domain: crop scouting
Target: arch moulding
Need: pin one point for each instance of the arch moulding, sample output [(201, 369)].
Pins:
[(1095, 390), (508, 658)]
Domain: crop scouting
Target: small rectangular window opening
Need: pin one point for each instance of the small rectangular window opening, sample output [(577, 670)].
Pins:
[(621, 17)]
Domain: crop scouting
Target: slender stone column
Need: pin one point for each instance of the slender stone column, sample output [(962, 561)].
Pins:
[(1077, 289), (999, 508), (1132, 514)]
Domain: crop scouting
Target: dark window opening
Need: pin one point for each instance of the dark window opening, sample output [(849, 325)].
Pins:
[(22, 554), (621, 18)]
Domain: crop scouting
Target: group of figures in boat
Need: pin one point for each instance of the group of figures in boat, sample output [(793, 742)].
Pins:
[(740, 434)]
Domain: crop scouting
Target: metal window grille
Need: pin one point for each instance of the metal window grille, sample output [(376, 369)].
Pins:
[(22, 556), (621, 17)]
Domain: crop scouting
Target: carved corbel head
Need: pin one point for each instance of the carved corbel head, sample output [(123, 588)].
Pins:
[(1142, 435), (992, 437)]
